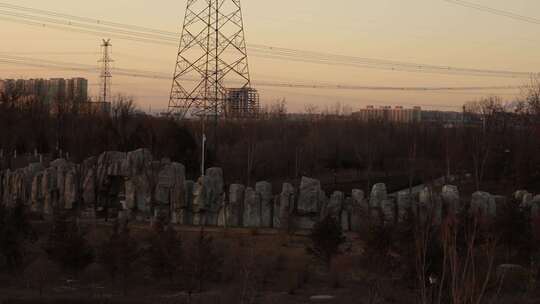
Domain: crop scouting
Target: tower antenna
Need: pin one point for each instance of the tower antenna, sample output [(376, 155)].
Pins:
[(105, 75)]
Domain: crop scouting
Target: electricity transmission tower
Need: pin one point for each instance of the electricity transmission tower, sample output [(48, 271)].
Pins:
[(105, 75), (211, 77)]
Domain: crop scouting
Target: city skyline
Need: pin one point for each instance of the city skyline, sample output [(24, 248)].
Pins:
[(440, 34)]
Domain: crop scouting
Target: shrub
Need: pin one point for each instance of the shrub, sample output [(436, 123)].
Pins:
[(326, 240), (15, 230), (67, 246), (119, 253), (203, 263), (165, 253)]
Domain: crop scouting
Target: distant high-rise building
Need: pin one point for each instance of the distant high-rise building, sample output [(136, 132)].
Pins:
[(416, 114), (57, 90), (77, 90), (448, 117), (73, 90), (386, 113), (242, 103)]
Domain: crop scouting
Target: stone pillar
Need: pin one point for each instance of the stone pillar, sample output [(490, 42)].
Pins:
[(527, 199), (388, 209), (170, 188), (451, 200), (186, 213), (222, 217), (70, 190), (535, 208), (131, 194), (346, 214), (358, 198), (334, 206), (89, 188), (378, 195), (284, 206), (264, 195), (430, 206), (200, 202), (359, 210), (483, 204), (235, 206), (136, 161), (214, 185), (311, 196), (49, 191), (252, 210), (404, 202), (376, 198), (518, 195), (37, 194)]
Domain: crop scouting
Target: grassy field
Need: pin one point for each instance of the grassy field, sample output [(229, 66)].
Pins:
[(259, 266)]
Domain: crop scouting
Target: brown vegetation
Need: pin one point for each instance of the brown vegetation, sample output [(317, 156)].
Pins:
[(498, 143), (412, 261)]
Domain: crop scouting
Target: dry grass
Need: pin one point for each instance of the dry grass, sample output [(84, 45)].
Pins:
[(261, 268)]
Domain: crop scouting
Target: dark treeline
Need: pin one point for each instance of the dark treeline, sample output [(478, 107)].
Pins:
[(500, 148), (65, 130)]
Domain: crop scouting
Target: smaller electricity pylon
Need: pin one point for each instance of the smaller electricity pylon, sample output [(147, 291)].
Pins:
[(105, 75)]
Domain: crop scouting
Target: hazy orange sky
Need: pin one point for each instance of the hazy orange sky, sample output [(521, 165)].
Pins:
[(424, 31)]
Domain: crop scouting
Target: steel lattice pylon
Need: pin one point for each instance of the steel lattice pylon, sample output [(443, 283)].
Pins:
[(212, 56), (105, 75)]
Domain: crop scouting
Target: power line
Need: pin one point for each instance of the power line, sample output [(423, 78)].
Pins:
[(403, 67), (79, 67), (67, 27), (495, 11), (48, 64), (379, 88), (154, 36), (19, 60), (377, 101), (85, 19), (72, 23), (389, 63), (52, 53)]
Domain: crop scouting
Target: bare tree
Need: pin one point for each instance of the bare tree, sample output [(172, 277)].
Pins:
[(413, 153), (467, 265), (123, 107), (203, 262), (275, 110), (311, 110), (482, 140), (531, 98), (123, 110)]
